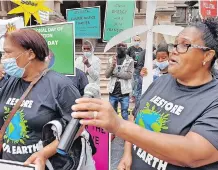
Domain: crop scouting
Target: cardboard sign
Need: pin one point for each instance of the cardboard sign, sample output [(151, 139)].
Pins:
[(11, 165), (61, 41), (119, 16), (208, 8), (102, 144), (87, 22), (9, 25), (29, 8)]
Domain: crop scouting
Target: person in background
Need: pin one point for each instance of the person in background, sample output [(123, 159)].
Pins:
[(89, 63), (154, 52), (120, 71), (3, 76), (79, 80), (133, 52), (162, 57), (135, 49), (138, 68)]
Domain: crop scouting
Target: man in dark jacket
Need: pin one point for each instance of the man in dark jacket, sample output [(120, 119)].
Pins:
[(80, 81), (138, 68), (135, 49), (133, 52)]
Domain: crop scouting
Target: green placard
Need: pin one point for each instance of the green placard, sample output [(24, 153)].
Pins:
[(119, 16), (61, 41)]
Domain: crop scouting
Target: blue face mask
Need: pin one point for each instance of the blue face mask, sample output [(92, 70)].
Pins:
[(136, 43), (87, 54), (11, 68), (162, 65)]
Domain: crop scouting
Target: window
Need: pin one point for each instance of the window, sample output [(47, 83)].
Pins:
[(181, 12)]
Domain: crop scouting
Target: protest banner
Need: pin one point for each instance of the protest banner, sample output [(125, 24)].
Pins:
[(118, 17), (208, 8), (29, 8), (87, 22), (9, 25), (60, 38), (102, 144), (12, 165), (44, 15)]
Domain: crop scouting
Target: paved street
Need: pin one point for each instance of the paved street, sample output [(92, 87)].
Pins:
[(117, 146)]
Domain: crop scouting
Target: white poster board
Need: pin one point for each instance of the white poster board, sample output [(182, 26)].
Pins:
[(44, 15), (11, 165), (17, 22)]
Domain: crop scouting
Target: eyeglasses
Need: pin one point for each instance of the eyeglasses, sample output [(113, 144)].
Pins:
[(183, 48)]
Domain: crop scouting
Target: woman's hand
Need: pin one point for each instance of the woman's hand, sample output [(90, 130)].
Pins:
[(144, 72), (2, 72), (97, 112), (125, 162), (38, 159)]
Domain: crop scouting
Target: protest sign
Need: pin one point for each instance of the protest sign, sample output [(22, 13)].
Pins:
[(61, 41), (29, 8), (9, 25), (208, 8), (102, 142), (44, 15), (11, 165), (118, 17), (87, 22)]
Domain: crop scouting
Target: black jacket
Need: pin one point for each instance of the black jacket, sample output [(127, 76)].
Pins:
[(140, 63)]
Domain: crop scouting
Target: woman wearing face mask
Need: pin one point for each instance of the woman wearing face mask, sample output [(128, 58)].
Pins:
[(23, 60), (161, 62), (89, 63)]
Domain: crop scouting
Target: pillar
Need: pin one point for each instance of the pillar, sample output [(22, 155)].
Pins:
[(55, 16), (3, 11), (164, 13)]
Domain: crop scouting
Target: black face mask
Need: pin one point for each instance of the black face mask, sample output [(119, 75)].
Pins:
[(121, 51)]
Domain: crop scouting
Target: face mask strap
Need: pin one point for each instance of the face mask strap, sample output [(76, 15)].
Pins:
[(19, 56)]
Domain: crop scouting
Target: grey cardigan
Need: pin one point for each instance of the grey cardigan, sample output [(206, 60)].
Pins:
[(124, 75)]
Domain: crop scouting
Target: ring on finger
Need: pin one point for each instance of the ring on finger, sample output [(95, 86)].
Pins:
[(95, 114)]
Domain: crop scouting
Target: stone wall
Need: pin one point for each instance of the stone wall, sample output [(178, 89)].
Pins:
[(165, 11)]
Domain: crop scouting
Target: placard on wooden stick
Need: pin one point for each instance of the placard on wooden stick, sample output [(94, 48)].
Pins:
[(12, 165)]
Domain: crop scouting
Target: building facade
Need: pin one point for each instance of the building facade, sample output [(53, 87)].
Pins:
[(168, 12)]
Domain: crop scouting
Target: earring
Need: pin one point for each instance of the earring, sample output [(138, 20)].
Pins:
[(204, 63)]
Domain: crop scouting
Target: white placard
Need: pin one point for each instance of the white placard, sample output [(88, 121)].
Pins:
[(17, 22), (11, 165), (44, 15)]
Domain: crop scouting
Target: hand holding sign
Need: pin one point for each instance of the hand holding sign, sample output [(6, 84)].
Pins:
[(37, 159)]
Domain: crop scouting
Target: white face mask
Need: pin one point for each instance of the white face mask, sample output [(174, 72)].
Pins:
[(136, 43), (87, 54), (162, 65)]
